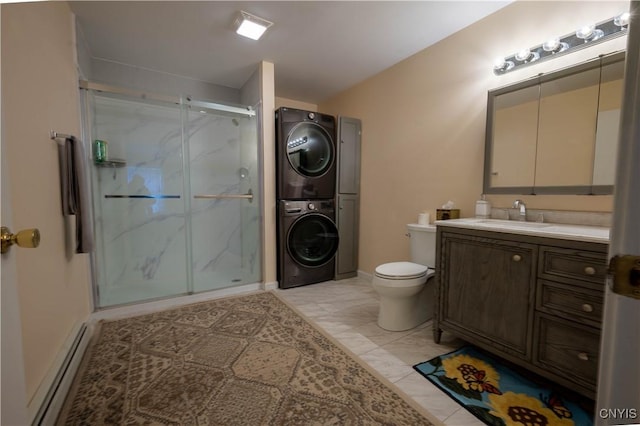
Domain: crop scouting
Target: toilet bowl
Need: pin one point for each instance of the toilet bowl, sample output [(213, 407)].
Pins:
[(405, 288), (405, 299)]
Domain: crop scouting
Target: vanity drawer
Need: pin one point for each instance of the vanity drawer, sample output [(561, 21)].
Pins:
[(567, 348), (571, 266), (570, 301)]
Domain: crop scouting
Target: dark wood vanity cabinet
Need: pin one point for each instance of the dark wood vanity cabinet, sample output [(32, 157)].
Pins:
[(534, 301), (488, 279)]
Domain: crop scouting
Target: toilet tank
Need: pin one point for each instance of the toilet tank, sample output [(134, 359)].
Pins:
[(423, 244)]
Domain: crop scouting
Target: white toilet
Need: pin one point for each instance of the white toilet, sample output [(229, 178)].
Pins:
[(405, 288)]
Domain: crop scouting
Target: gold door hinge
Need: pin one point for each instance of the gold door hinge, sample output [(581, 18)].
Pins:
[(625, 271)]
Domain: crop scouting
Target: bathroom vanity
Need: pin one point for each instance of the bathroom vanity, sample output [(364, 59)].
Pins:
[(531, 293)]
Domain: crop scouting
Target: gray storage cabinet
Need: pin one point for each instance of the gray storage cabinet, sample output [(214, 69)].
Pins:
[(348, 196)]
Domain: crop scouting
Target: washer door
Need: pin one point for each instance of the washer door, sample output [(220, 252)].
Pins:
[(312, 240), (309, 149)]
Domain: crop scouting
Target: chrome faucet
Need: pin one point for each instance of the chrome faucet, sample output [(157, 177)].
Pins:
[(523, 209)]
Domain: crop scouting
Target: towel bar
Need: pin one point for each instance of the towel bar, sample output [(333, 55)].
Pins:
[(55, 135)]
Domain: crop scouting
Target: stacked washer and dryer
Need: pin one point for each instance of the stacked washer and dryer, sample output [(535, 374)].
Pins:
[(305, 191)]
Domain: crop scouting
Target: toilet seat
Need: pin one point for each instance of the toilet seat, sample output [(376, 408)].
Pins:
[(402, 271)]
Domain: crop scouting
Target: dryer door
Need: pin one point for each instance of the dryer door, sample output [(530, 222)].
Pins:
[(310, 149), (312, 240)]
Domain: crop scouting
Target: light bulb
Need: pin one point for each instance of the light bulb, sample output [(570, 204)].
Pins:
[(622, 19), (585, 32), (523, 55), (502, 65), (589, 33), (551, 44)]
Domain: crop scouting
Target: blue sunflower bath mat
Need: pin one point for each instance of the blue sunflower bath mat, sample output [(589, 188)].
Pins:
[(498, 395)]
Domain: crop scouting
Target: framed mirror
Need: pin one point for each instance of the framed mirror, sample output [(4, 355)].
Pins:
[(556, 133)]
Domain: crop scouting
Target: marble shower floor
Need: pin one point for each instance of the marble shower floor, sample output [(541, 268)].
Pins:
[(348, 311)]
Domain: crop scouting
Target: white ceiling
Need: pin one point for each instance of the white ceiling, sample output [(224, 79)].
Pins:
[(319, 48)]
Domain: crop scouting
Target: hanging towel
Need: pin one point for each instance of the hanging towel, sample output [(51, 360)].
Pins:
[(75, 194)]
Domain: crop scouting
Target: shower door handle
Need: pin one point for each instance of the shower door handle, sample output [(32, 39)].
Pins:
[(247, 196)]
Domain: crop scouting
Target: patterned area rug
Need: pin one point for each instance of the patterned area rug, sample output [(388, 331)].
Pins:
[(247, 360), (498, 395)]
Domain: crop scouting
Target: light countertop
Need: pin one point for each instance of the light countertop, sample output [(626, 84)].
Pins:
[(550, 230)]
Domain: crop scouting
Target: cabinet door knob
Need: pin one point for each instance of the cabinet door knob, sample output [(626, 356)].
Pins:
[(516, 258), (590, 270), (583, 356), (587, 307)]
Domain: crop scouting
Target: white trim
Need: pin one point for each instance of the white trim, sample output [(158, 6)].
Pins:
[(272, 285), (158, 305), (47, 402), (365, 275)]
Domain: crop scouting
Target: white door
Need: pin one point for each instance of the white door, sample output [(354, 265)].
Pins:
[(13, 394), (619, 377)]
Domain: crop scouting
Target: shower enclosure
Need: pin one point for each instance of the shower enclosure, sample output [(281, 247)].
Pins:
[(176, 200)]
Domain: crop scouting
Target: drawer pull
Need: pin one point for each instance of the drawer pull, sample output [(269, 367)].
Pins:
[(590, 270), (587, 307), (583, 356), (516, 258)]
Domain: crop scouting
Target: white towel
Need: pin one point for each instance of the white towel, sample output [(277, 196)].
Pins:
[(75, 194)]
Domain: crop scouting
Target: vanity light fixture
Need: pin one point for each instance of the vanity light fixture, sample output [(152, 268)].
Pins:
[(251, 26), (585, 36)]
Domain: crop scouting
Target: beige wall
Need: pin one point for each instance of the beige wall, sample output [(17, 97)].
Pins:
[(286, 102), (40, 93), (267, 90), (424, 121)]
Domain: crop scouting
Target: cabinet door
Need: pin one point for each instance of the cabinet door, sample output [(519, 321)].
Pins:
[(347, 257), (349, 131), (486, 291)]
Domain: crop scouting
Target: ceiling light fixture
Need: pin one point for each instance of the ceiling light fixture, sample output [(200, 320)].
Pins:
[(251, 26), (556, 46)]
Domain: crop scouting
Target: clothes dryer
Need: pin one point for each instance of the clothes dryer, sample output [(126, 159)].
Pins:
[(307, 242), (306, 155)]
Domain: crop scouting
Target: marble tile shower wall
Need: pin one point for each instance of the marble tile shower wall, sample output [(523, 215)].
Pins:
[(142, 243)]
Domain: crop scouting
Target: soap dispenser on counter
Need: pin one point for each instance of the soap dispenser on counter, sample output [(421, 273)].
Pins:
[(483, 208)]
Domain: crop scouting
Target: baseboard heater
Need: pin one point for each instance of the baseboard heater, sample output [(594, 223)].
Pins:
[(55, 397)]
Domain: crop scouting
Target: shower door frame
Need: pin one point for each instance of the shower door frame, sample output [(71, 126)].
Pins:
[(86, 88)]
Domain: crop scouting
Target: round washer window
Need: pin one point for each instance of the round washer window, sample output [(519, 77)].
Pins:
[(309, 149), (312, 240)]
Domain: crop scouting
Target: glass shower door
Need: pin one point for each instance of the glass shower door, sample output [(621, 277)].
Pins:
[(224, 190), (138, 200)]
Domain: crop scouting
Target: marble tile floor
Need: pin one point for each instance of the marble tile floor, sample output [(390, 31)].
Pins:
[(348, 311)]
